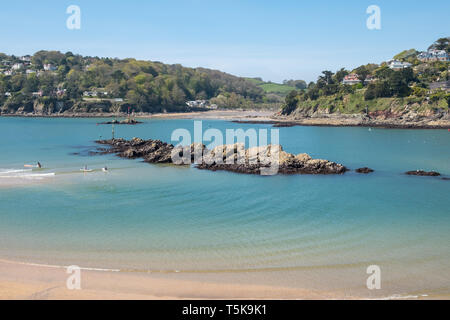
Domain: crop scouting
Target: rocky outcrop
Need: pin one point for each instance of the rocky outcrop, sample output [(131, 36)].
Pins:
[(126, 121), (364, 170), (423, 173), (264, 159), (152, 151), (269, 159)]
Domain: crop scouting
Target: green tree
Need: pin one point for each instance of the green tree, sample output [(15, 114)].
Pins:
[(290, 103)]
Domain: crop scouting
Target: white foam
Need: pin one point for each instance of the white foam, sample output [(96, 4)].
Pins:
[(59, 266), (10, 171), (401, 297), (25, 175)]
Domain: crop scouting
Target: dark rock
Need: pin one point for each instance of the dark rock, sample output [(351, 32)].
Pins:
[(126, 121), (249, 161), (364, 170), (423, 173)]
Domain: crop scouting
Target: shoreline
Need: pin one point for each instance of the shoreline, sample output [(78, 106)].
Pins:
[(263, 117), (33, 281), (30, 281)]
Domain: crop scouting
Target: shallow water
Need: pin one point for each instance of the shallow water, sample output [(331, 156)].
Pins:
[(319, 232)]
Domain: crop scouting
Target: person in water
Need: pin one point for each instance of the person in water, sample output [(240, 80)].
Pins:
[(39, 165)]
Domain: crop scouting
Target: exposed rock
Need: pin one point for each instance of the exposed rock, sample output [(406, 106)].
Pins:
[(126, 121), (269, 159), (153, 151), (364, 170), (423, 173)]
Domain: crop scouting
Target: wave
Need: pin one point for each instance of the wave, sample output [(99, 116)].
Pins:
[(10, 171), (24, 174)]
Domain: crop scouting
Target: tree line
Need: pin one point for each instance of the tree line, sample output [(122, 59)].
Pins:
[(146, 86)]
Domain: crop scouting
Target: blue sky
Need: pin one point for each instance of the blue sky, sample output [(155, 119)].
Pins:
[(275, 40)]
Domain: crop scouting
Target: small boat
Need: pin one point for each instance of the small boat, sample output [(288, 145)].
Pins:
[(85, 169)]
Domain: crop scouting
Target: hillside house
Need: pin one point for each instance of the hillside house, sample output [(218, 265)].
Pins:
[(50, 67), (369, 79), (17, 66), (351, 79), (398, 65), (26, 58), (197, 104), (90, 93), (433, 55), (442, 85)]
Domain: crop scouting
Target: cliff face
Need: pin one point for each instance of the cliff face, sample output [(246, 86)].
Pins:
[(389, 112), (49, 106)]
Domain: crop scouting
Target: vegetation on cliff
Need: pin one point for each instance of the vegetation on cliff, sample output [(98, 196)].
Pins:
[(50, 81), (372, 88)]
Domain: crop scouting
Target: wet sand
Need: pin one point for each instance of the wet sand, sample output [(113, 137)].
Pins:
[(38, 282)]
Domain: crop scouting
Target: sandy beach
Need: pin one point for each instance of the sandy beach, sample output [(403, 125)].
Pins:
[(27, 281), (20, 281)]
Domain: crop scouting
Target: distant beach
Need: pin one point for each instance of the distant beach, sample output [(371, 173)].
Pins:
[(265, 117)]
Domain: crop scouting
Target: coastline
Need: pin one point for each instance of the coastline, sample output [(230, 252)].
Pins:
[(28, 281), (20, 281), (267, 117)]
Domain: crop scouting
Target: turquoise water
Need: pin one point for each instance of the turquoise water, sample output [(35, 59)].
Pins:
[(318, 232)]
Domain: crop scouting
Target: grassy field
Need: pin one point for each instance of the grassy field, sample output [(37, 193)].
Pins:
[(270, 87)]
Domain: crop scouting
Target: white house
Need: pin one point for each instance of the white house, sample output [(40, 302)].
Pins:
[(90, 93), (398, 65), (26, 58), (17, 66), (8, 73), (49, 67), (197, 104)]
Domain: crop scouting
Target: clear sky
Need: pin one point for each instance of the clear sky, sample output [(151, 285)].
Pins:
[(275, 40)]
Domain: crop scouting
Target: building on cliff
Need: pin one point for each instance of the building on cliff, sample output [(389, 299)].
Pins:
[(442, 85), (433, 55), (398, 65), (351, 79)]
